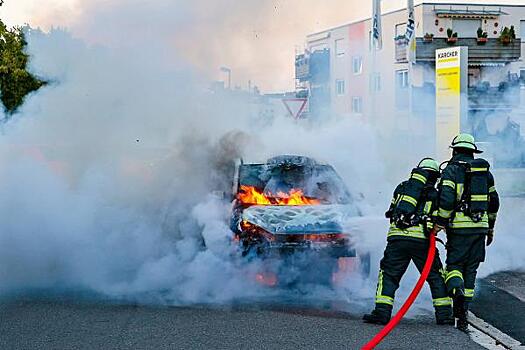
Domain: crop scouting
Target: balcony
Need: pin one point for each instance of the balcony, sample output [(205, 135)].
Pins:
[(492, 51), (485, 97)]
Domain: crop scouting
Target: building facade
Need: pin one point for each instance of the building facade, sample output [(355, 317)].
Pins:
[(355, 81)]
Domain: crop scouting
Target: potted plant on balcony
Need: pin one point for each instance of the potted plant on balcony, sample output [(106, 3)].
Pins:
[(512, 33), (452, 36), (482, 37), (507, 35), (428, 38)]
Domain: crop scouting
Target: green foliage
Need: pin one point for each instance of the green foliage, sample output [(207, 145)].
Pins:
[(15, 81), (482, 34), (507, 35), (512, 32)]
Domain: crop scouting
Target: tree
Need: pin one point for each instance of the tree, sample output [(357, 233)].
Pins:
[(15, 81)]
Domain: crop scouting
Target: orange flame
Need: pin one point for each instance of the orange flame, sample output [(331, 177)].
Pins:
[(268, 279), (250, 195)]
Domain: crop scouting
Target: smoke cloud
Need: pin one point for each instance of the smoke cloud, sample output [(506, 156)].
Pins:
[(107, 174)]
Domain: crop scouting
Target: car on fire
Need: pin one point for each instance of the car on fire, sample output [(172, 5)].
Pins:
[(293, 209)]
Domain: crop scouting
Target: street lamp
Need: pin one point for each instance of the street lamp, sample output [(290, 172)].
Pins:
[(229, 71)]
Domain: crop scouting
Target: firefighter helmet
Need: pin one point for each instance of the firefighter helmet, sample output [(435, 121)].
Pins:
[(465, 141), (429, 164)]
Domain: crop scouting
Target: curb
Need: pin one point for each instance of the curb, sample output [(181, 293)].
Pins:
[(505, 340)]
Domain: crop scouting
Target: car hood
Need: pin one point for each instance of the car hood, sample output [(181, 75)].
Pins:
[(298, 219)]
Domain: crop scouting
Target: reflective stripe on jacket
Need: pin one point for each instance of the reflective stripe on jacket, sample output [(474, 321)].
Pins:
[(418, 231)]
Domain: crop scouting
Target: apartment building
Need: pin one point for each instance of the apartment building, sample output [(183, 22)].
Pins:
[(341, 73)]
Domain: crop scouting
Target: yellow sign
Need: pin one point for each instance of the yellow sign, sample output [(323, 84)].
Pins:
[(451, 74)]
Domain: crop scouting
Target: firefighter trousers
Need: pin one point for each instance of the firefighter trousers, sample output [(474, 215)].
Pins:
[(465, 252), (397, 257)]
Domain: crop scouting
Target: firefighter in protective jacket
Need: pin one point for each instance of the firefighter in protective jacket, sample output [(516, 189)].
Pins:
[(410, 211), (468, 205)]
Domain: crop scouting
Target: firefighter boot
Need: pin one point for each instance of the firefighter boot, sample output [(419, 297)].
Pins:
[(458, 300), (444, 316), (460, 310), (380, 315), (462, 324)]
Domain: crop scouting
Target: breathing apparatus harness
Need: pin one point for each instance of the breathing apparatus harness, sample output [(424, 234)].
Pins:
[(474, 199), (411, 212)]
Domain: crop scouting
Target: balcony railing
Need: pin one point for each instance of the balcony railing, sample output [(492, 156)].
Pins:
[(491, 51)]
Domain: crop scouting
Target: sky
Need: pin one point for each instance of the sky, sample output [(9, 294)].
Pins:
[(256, 39)]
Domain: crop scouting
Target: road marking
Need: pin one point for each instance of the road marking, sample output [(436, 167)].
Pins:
[(499, 340)]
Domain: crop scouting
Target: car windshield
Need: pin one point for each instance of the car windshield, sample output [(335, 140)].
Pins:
[(319, 182)]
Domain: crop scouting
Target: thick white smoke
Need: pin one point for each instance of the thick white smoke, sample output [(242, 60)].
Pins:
[(107, 175)]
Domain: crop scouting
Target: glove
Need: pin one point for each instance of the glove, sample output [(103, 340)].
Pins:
[(404, 221), (438, 228), (490, 237)]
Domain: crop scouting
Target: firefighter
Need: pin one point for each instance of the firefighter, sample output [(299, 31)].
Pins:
[(413, 203), (468, 205)]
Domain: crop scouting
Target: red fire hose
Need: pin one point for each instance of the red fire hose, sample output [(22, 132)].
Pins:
[(410, 300)]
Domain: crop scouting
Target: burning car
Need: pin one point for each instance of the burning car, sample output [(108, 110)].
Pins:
[(293, 209)]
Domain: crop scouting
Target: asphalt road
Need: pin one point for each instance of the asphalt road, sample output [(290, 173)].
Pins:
[(33, 323), (500, 301), (67, 321)]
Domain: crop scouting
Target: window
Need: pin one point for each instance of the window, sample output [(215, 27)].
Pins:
[(357, 64), (400, 29), (402, 79), (340, 87), (357, 105), (375, 82), (340, 47), (401, 91), (522, 31), (474, 76)]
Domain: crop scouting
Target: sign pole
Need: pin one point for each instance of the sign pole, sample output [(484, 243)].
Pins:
[(411, 53), (377, 43)]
